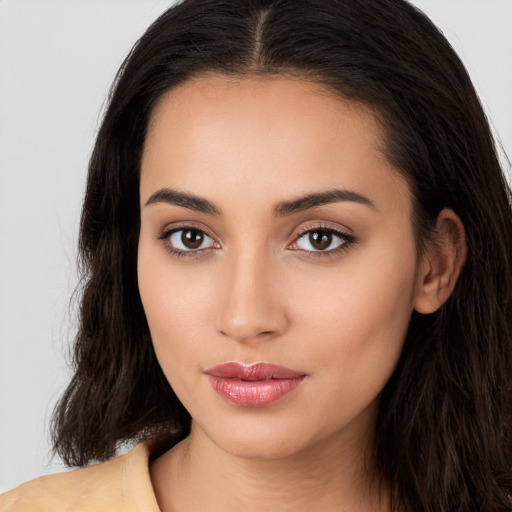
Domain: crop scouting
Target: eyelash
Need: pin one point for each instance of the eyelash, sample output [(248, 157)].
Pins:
[(165, 235), (346, 241)]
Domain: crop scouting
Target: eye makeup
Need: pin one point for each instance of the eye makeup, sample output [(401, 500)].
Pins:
[(324, 240), (187, 240)]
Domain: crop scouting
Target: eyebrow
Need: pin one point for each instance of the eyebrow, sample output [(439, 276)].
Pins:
[(282, 209), (300, 204), (190, 201)]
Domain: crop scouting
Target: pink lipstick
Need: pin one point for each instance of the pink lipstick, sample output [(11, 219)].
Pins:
[(257, 385)]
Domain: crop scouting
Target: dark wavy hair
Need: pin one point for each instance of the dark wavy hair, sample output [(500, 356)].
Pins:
[(443, 435)]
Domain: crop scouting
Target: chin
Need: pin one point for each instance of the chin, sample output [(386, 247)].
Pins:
[(259, 440), (266, 449)]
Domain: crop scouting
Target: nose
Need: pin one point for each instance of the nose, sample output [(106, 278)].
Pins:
[(251, 306)]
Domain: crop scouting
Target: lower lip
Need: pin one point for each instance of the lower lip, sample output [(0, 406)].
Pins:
[(258, 393)]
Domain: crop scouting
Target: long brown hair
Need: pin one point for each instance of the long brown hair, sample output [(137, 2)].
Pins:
[(443, 435)]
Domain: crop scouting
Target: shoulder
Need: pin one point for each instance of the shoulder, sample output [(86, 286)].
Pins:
[(120, 484)]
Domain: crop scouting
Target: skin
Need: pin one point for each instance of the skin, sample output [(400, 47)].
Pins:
[(257, 291)]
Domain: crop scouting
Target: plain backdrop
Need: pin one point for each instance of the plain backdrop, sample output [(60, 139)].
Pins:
[(57, 60)]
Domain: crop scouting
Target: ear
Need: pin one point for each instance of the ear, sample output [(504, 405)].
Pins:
[(441, 263)]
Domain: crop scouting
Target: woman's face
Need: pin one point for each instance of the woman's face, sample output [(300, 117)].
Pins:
[(273, 230)]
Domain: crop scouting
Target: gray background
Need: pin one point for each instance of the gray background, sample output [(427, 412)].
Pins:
[(57, 60)]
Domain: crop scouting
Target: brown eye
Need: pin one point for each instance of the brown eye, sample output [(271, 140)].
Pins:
[(188, 240), (192, 238), (322, 240)]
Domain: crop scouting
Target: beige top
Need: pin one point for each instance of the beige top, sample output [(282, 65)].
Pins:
[(120, 484)]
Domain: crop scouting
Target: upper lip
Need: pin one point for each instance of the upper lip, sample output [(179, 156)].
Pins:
[(253, 372)]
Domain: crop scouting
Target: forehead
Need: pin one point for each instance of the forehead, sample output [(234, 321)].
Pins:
[(274, 136), (271, 105)]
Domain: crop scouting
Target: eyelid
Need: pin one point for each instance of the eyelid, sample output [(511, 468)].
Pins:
[(166, 232), (343, 233), (324, 225), (176, 226)]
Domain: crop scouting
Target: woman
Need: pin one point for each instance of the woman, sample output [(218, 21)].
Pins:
[(296, 240)]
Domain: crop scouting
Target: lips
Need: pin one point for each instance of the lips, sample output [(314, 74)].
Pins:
[(256, 385)]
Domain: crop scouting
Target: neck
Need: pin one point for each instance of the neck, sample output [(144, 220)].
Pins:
[(331, 475)]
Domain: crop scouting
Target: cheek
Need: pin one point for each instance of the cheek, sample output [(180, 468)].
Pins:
[(358, 317), (172, 301)]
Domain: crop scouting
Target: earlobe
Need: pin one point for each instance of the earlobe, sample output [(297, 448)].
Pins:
[(441, 264)]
